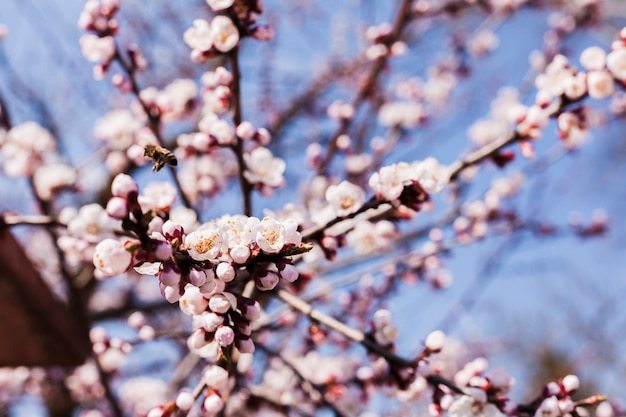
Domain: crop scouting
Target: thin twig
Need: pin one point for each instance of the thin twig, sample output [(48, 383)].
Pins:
[(246, 188)]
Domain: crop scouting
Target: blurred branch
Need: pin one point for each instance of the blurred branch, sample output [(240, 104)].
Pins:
[(403, 17), (313, 390), (315, 89)]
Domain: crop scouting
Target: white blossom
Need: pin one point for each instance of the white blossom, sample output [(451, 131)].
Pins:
[(345, 198), (224, 33), (51, 177), (593, 58), (157, 196), (199, 37), (466, 406), (616, 63), (118, 129), (270, 235), (403, 114), (431, 175), (218, 5), (263, 167), (390, 180), (600, 84), (205, 244), (96, 48)]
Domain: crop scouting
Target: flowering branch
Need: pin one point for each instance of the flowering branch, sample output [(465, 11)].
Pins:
[(153, 119), (351, 333)]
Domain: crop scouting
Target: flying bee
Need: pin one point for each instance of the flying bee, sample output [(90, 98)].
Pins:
[(160, 156)]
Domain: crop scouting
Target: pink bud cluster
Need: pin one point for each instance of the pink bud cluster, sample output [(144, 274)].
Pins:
[(220, 319), (111, 353), (208, 258)]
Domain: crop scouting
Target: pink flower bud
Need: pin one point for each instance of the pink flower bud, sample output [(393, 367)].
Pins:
[(552, 388), (163, 251), (245, 345), (267, 281), (263, 33), (263, 136), (289, 273), (117, 207), (211, 321), (216, 377), (224, 335), (240, 254), (197, 277), (156, 412), (219, 304), (192, 301), (169, 276), (197, 339), (225, 271), (184, 400), (172, 230), (245, 130), (570, 383), (171, 294), (435, 341), (252, 311), (123, 185), (213, 404), (155, 225)]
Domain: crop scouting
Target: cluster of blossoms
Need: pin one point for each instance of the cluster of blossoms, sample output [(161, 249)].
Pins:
[(124, 135), (29, 150), (206, 153), (382, 43), (418, 98), (176, 101), (110, 352), (473, 222), (199, 267), (560, 84), (409, 183), (99, 46), (237, 19), (85, 229)]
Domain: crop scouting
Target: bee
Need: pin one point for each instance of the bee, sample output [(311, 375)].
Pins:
[(160, 156)]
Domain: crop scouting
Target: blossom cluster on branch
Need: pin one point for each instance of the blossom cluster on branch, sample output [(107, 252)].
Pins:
[(228, 274)]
